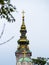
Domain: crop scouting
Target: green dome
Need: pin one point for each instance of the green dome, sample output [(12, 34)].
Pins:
[(25, 59)]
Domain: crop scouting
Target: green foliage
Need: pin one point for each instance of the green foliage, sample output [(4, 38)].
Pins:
[(39, 61), (1, 1), (6, 10)]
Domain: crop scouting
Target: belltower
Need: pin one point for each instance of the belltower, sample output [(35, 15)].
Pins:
[(23, 53)]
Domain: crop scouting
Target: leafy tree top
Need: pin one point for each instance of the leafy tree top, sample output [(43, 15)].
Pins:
[(6, 9)]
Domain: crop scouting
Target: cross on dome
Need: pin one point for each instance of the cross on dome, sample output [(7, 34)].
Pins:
[(23, 13)]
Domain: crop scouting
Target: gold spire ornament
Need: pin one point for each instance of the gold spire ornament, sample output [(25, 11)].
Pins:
[(23, 39)]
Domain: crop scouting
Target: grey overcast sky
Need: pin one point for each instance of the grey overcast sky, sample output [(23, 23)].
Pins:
[(37, 24)]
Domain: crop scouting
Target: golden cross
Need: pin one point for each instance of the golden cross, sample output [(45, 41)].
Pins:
[(24, 53), (23, 12)]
